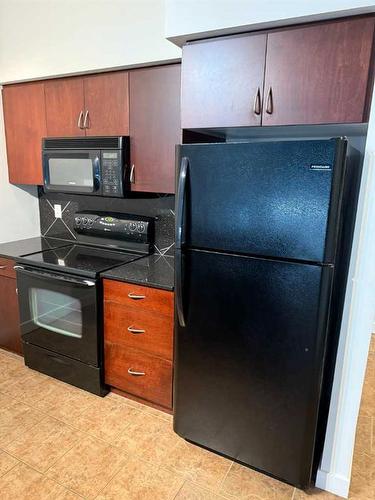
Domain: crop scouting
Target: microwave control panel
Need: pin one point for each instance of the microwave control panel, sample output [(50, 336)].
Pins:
[(114, 226), (112, 173)]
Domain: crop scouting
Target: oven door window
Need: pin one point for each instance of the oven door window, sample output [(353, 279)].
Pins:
[(56, 312)]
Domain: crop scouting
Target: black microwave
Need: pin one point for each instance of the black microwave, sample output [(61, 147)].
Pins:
[(86, 165)]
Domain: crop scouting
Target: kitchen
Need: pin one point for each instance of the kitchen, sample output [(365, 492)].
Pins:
[(99, 310)]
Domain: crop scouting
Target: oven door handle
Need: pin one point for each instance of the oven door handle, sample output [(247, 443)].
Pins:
[(59, 277)]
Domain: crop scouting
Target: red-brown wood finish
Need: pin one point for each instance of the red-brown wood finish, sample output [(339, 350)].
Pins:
[(64, 105), (25, 125), (318, 73), (7, 267), (10, 336), (107, 104), (154, 127), (143, 330), (156, 383), (222, 82), (153, 300)]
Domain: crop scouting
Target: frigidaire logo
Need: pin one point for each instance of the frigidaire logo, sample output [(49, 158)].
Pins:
[(320, 167)]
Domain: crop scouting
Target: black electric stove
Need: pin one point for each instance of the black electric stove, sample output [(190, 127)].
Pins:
[(60, 296)]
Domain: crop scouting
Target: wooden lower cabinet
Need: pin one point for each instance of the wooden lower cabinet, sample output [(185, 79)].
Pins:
[(138, 341), (139, 373), (10, 336)]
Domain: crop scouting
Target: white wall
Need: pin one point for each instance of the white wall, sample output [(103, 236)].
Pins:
[(192, 19), (19, 214), (40, 38)]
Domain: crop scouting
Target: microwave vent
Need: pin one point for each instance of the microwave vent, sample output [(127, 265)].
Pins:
[(83, 143)]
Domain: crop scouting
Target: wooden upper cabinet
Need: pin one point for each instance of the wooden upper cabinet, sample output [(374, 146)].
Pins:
[(25, 125), (319, 73), (222, 82), (65, 107), (154, 127), (93, 105), (107, 103)]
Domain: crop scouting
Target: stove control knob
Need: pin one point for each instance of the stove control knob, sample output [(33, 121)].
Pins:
[(78, 220), (141, 227), (133, 226), (84, 221)]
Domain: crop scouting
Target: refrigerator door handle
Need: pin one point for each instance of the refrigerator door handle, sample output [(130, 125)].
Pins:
[(178, 288), (181, 201)]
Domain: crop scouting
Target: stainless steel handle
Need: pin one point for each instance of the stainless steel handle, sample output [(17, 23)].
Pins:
[(132, 174), (256, 105), (89, 283), (3, 267), (85, 123), (53, 276), (134, 296), (79, 122), (269, 100), (135, 331), (18, 267), (135, 373)]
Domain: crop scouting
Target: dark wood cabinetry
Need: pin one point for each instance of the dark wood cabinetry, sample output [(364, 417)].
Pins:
[(319, 73), (10, 336), (107, 104), (154, 127), (222, 82), (94, 105), (138, 341), (25, 125), (65, 107)]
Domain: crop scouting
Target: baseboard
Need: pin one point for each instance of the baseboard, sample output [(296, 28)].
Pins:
[(334, 483)]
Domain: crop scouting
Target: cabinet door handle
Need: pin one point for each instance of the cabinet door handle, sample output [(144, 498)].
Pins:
[(135, 373), (256, 106), (85, 121), (3, 267), (269, 106), (134, 296), (135, 331), (132, 174), (79, 122)]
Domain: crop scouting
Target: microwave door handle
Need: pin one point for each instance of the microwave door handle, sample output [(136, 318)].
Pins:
[(76, 281), (97, 176)]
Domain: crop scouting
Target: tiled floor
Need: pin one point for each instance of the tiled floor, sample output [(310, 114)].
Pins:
[(60, 443)]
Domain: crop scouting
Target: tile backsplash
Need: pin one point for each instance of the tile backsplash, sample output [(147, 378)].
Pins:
[(152, 205)]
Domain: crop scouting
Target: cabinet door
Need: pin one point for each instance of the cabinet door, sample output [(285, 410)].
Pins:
[(25, 125), (65, 107), (10, 337), (154, 127), (318, 74), (107, 104), (222, 82)]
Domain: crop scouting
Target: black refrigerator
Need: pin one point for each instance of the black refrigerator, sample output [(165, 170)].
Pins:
[(263, 240)]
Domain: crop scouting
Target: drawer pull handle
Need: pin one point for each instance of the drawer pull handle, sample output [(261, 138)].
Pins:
[(3, 267), (135, 374), (131, 329), (134, 296)]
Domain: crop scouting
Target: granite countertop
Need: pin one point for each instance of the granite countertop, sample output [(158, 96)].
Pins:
[(20, 248), (155, 270)]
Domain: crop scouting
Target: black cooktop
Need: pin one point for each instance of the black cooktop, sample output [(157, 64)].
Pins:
[(79, 259)]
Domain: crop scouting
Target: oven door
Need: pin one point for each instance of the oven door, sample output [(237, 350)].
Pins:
[(72, 171), (59, 312)]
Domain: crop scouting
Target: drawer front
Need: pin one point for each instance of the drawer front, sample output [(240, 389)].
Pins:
[(143, 330), (6, 267), (141, 297), (155, 382)]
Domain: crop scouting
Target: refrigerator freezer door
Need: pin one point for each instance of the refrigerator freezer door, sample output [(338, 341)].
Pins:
[(277, 199), (248, 363)]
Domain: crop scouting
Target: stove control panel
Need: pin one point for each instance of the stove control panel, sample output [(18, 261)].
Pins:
[(118, 226)]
